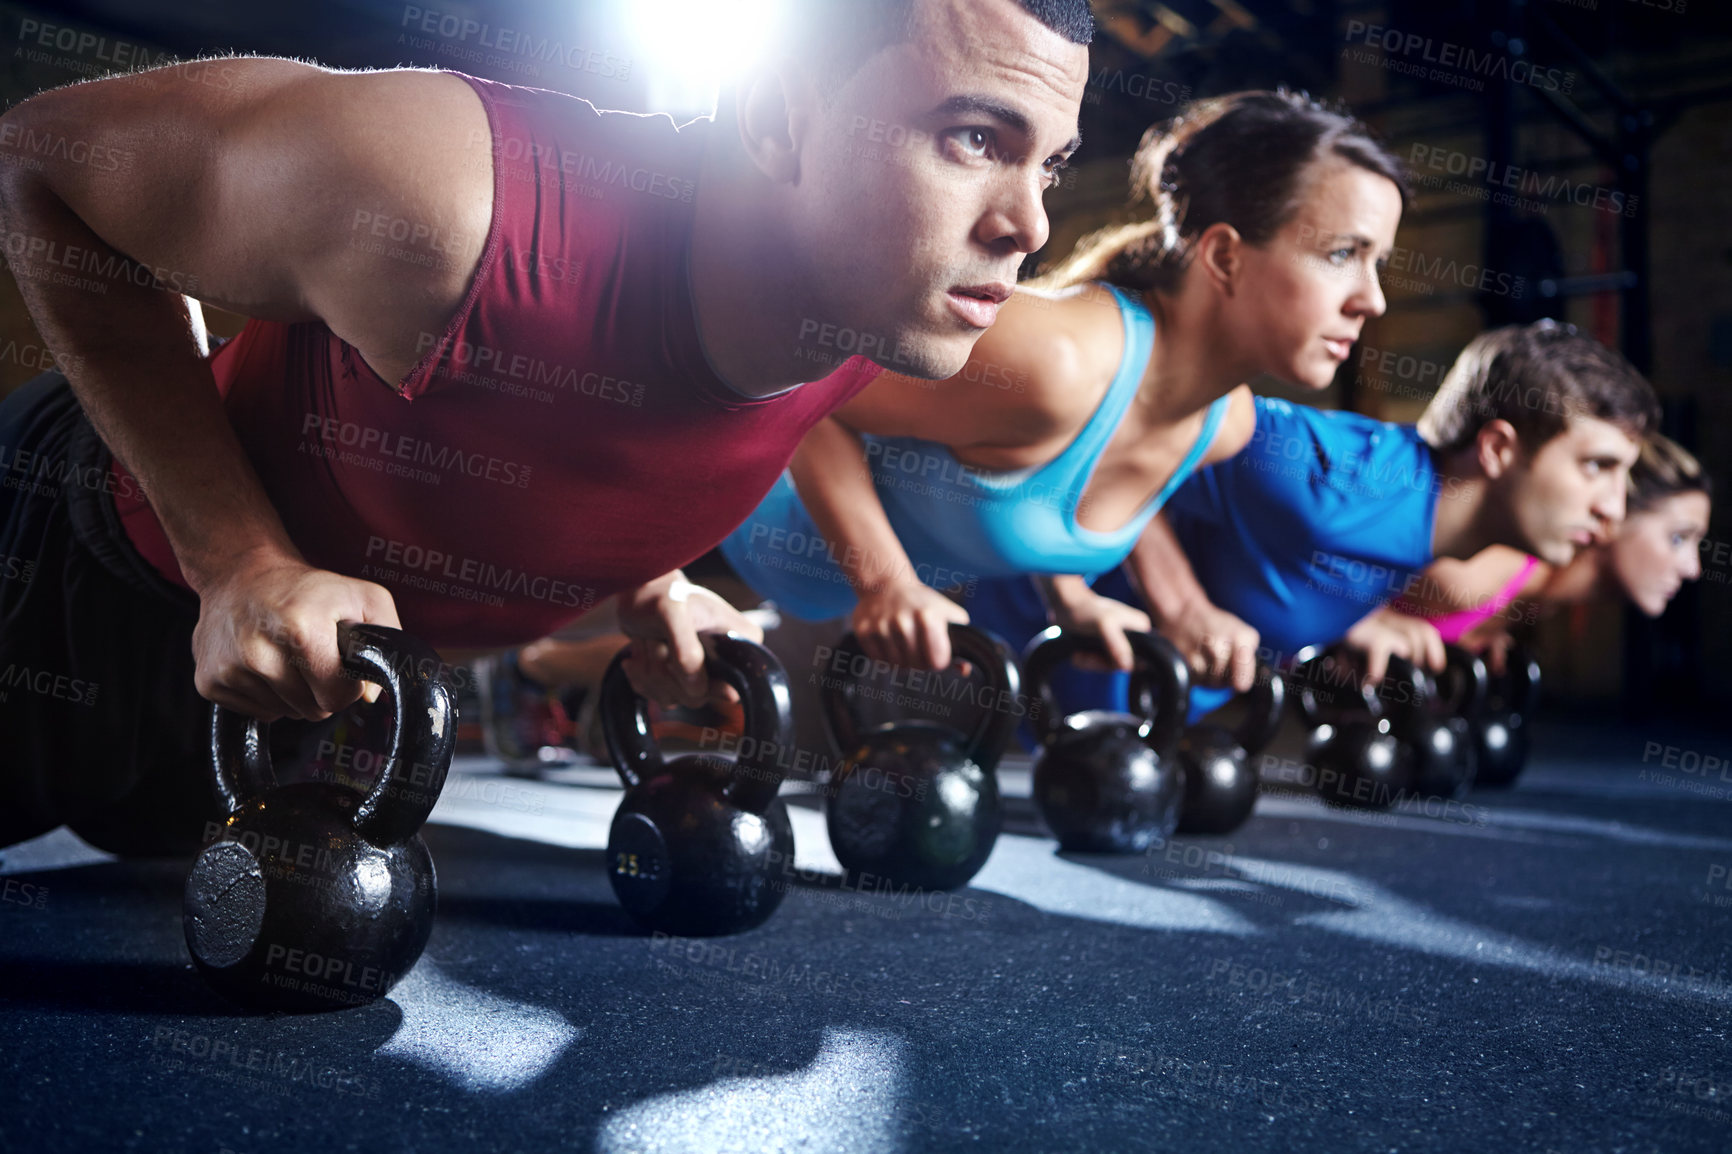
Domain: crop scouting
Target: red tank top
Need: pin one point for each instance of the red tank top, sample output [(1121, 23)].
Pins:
[(562, 438)]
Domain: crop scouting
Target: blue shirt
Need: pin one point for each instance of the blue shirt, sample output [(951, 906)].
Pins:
[(1320, 519)]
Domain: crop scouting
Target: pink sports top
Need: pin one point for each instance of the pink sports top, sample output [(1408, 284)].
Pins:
[(1453, 625)]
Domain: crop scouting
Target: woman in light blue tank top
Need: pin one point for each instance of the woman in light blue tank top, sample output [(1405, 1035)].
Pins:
[(1099, 390)]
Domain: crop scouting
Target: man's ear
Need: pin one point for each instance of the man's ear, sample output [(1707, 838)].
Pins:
[(1219, 255), (1497, 447), (772, 110)]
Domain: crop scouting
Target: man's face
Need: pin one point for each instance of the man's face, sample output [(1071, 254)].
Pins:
[(921, 180), (1569, 493)]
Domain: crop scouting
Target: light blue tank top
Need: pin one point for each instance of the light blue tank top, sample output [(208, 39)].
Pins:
[(960, 524)]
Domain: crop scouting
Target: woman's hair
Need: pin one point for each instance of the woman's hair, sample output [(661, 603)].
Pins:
[(1241, 159), (1664, 469), (1536, 377)]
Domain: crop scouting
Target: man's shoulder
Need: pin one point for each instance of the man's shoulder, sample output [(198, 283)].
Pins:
[(566, 120)]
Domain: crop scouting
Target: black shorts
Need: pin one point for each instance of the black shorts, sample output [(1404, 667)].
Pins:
[(101, 727)]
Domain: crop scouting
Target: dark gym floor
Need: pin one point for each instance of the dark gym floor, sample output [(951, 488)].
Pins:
[(1545, 968)]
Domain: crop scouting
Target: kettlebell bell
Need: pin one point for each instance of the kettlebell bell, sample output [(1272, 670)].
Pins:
[(1361, 763), (1501, 738), (1109, 782), (915, 801), (1437, 720), (696, 841), (1220, 781), (316, 896)]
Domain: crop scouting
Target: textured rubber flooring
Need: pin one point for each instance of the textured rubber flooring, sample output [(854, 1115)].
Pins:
[(1547, 968)]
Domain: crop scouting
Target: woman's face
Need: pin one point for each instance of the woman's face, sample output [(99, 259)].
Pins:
[(1656, 550), (1306, 294)]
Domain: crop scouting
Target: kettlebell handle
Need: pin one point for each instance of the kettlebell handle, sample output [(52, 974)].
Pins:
[(418, 755), (1160, 684), (1263, 705), (1319, 702), (756, 675), (992, 733), (1462, 686), (1522, 676)]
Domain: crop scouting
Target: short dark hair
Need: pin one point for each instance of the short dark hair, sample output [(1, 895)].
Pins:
[(1536, 377), (1665, 469), (1239, 158), (841, 35)]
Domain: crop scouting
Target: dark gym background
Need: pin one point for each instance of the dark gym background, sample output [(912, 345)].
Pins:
[(1609, 117)]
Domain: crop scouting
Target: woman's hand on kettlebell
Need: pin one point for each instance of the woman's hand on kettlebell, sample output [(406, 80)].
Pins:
[(266, 640), (907, 624), (1386, 633), (663, 619), (1107, 619)]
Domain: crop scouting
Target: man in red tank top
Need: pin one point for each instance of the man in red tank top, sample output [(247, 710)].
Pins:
[(509, 356)]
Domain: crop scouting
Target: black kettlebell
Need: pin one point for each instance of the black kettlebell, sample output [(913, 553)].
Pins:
[(1437, 721), (1109, 782), (696, 842), (916, 802), (1501, 738), (1220, 781), (1361, 763), (317, 896)]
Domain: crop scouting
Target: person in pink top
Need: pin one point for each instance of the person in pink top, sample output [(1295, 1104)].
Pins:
[(1647, 558)]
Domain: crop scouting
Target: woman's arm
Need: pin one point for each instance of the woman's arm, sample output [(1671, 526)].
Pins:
[(898, 619), (1220, 648), (1014, 401)]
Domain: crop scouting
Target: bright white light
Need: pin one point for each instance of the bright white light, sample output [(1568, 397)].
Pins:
[(689, 48)]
